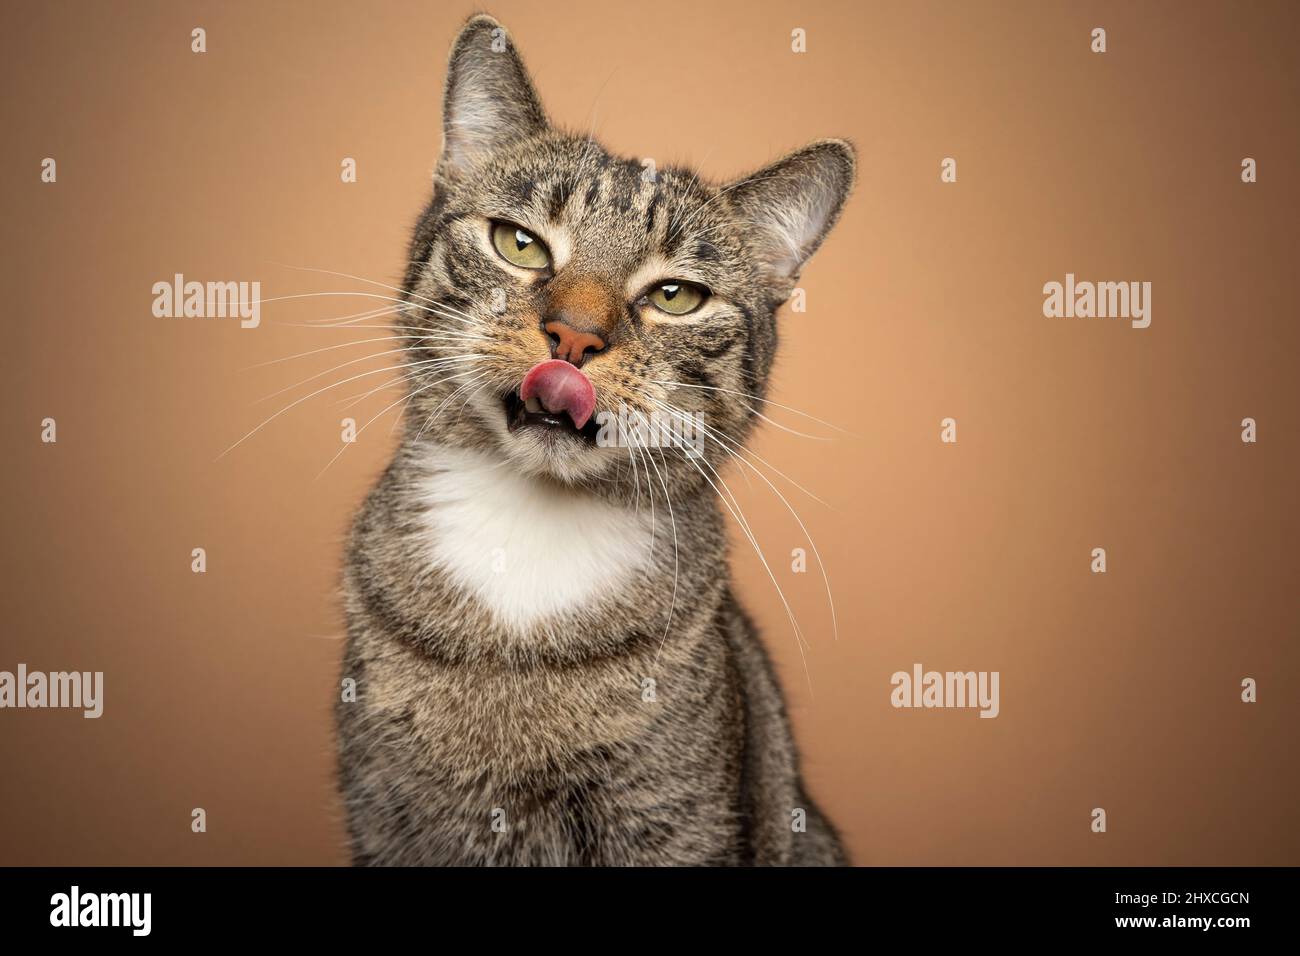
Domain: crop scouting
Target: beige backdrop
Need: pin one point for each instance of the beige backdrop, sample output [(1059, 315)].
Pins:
[(1118, 690)]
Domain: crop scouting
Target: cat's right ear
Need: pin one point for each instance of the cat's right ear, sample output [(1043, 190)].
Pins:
[(489, 100)]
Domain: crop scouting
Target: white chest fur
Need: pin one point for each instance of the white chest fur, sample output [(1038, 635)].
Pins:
[(528, 550)]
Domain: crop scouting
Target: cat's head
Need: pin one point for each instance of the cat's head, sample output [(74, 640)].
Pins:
[(588, 318)]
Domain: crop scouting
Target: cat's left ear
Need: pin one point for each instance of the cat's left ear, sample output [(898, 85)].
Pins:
[(792, 204), (489, 100)]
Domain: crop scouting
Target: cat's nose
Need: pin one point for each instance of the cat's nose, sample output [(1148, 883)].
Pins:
[(573, 344), (579, 315)]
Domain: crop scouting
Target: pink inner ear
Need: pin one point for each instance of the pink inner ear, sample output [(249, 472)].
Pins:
[(560, 387)]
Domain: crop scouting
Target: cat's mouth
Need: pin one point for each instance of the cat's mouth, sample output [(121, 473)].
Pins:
[(554, 395), (532, 414)]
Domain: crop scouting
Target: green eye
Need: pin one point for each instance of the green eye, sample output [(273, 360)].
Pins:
[(677, 298), (519, 248)]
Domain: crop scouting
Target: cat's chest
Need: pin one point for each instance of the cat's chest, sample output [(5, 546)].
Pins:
[(525, 549), (460, 723)]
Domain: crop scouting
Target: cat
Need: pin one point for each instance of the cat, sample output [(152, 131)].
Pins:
[(551, 667)]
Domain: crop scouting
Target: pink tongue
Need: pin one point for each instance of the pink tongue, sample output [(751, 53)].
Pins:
[(560, 387)]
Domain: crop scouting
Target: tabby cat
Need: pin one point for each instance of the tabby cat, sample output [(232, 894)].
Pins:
[(550, 665)]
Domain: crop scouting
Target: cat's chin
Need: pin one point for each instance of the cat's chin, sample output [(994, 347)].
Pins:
[(544, 445), (554, 454)]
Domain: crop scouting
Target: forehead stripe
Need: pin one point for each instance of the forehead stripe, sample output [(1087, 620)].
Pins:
[(555, 203)]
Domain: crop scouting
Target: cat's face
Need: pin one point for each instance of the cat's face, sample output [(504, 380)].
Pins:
[(592, 319)]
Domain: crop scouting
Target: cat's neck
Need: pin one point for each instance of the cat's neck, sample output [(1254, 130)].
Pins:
[(529, 549), (470, 558)]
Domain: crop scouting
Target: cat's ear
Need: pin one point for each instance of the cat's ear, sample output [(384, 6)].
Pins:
[(489, 100), (790, 206)]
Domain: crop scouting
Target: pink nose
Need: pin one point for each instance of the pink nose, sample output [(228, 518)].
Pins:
[(570, 344)]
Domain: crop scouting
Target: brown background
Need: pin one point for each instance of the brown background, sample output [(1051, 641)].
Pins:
[(1118, 690)]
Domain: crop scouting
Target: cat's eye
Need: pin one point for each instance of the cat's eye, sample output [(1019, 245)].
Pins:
[(519, 247), (677, 298)]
